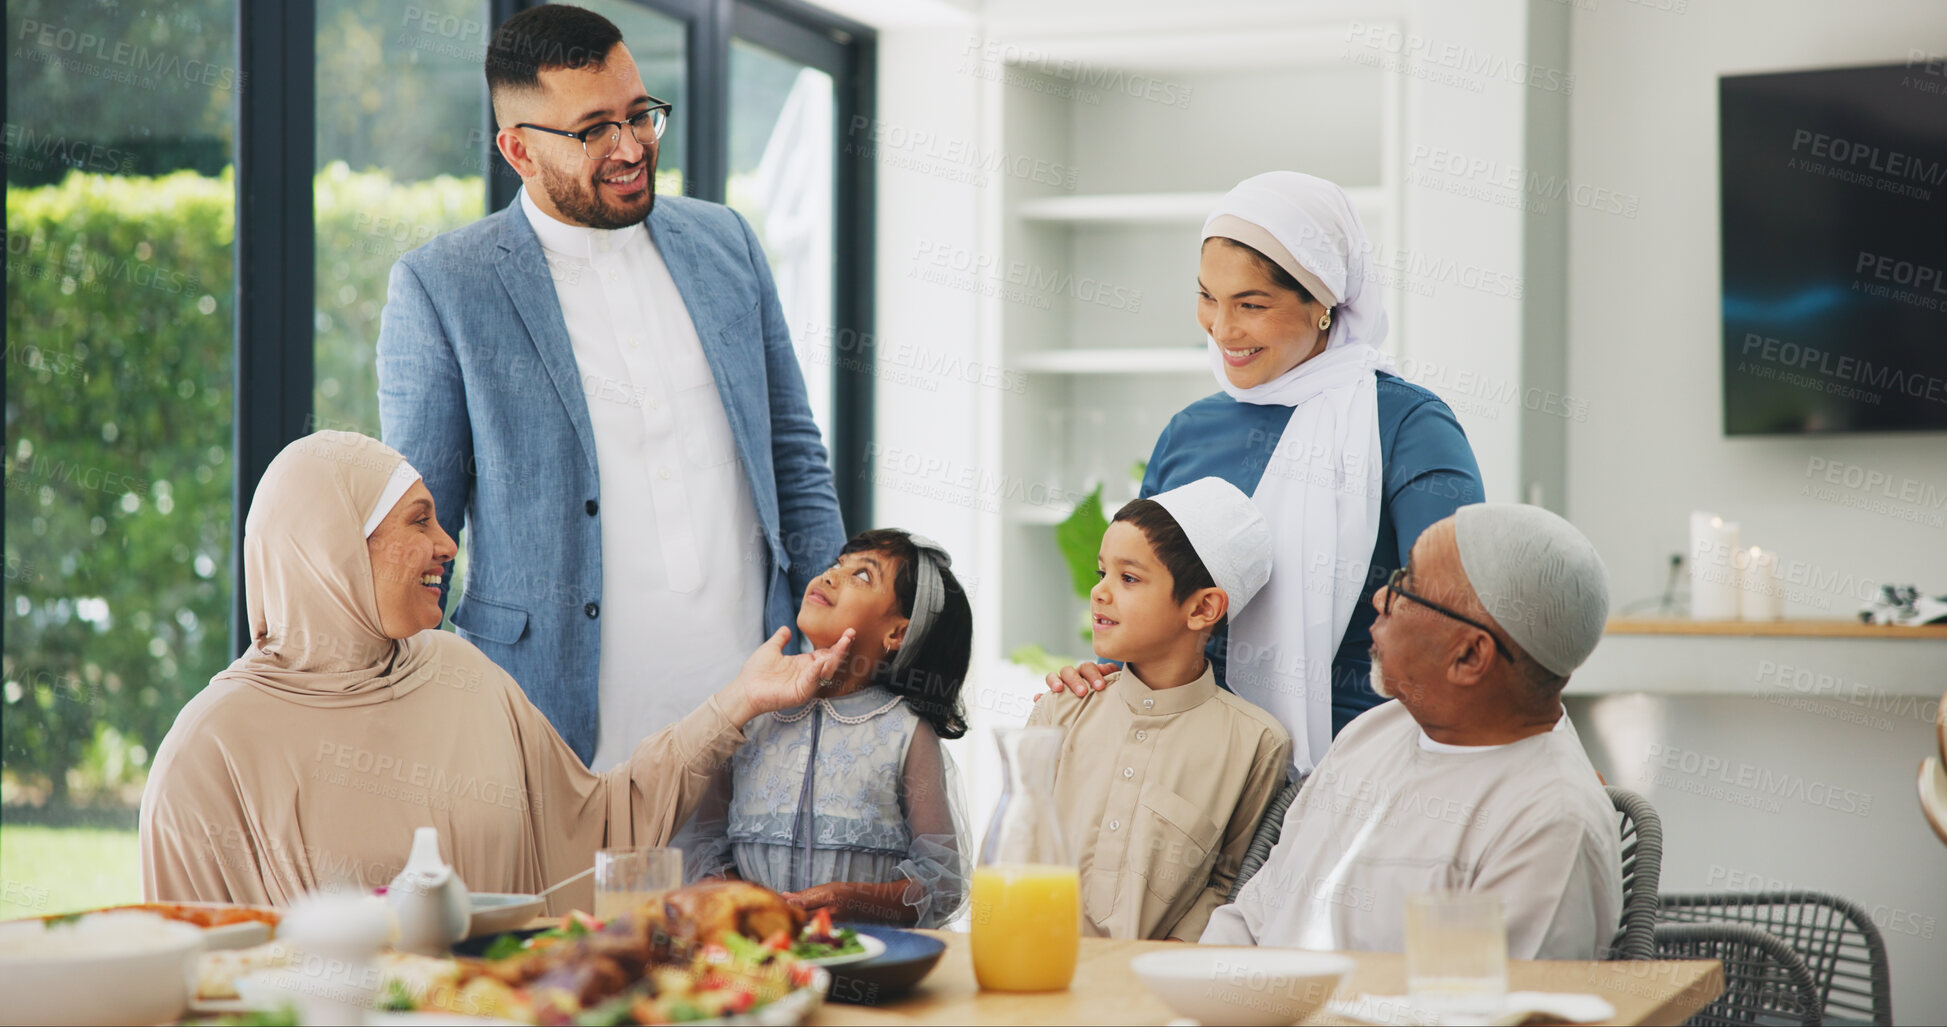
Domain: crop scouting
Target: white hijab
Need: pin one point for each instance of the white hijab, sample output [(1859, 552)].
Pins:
[(1322, 487)]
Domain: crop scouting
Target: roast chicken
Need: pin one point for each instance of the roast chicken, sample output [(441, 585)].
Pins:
[(707, 910)]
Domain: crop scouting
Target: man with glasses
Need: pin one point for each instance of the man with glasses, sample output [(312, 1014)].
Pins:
[(1474, 780), (604, 388)]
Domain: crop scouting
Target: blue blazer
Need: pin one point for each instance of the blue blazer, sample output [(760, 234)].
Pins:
[(480, 390)]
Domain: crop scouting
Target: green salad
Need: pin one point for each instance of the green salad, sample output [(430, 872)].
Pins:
[(821, 941)]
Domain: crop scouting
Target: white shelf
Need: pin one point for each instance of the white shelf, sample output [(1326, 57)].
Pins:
[(1158, 208), (1028, 513), (1175, 360)]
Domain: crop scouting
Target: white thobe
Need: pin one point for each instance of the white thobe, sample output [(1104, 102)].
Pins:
[(682, 556), (1390, 813)]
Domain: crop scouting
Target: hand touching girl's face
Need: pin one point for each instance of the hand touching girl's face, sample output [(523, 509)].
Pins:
[(857, 592)]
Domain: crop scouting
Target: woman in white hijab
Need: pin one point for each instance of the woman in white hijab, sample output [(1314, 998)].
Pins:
[(352, 720), (1348, 462)]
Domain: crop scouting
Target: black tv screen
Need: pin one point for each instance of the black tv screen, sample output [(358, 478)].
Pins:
[(1834, 192)]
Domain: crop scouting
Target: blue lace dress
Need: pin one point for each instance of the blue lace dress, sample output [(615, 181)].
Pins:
[(854, 789)]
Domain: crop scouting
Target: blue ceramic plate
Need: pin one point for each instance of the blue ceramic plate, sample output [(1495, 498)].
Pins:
[(909, 956)]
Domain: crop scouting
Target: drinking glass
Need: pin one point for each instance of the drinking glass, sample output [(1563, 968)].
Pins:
[(1457, 954), (626, 879)]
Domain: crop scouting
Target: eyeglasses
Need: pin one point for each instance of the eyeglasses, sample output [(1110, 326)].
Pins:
[(1393, 589), (600, 139)]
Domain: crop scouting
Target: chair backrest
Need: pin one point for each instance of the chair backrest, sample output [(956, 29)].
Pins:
[(1838, 941), (1642, 873), (1765, 982), (1269, 826)]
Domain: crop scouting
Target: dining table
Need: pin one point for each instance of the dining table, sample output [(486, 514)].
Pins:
[(1106, 991)]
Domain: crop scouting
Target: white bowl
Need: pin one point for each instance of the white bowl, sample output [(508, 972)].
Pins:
[(1254, 987), (500, 912), (106, 970)]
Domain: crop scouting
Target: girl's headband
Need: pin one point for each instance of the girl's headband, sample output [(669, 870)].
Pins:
[(929, 598)]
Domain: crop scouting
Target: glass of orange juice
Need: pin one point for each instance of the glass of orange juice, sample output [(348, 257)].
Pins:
[(1027, 911), (626, 879)]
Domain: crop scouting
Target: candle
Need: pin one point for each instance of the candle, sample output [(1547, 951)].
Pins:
[(1714, 591), (1762, 597)]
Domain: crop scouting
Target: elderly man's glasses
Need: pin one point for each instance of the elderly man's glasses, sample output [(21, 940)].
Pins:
[(599, 140), (1393, 589)]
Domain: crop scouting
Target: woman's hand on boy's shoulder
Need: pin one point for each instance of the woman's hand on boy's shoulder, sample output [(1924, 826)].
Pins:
[(1081, 680)]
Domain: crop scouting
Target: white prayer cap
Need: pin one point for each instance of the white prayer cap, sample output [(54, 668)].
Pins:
[(1538, 577), (1228, 533)]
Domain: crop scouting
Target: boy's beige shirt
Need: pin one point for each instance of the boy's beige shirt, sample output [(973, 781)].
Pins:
[(1159, 791)]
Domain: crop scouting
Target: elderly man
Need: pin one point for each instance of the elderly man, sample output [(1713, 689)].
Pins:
[(1474, 780)]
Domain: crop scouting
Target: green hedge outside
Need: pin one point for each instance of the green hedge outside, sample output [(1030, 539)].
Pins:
[(119, 389)]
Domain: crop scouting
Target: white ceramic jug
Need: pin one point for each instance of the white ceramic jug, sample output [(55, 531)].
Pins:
[(429, 899)]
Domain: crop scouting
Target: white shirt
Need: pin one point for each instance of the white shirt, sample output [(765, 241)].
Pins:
[(1384, 817), (682, 555)]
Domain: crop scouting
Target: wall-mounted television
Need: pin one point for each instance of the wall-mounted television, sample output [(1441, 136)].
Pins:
[(1834, 219)]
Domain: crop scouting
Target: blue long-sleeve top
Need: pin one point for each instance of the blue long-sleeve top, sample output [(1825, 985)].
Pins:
[(1428, 471)]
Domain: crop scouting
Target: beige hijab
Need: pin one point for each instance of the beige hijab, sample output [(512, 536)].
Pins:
[(311, 759), (307, 579)]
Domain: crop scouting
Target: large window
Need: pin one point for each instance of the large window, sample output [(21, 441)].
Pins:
[(120, 203), (399, 161), (781, 139), (205, 199)]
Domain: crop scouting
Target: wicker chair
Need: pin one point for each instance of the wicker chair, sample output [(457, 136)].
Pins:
[(1269, 827), (1765, 982), (1839, 943), (1642, 867)]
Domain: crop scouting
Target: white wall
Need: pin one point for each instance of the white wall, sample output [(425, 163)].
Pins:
[(1643, 306), (1643, 344)]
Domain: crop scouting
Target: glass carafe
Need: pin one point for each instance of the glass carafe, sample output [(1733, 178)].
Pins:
[(1027, 911)]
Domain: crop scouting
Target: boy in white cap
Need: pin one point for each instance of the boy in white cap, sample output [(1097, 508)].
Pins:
[(1163, 774), (1474, 780)]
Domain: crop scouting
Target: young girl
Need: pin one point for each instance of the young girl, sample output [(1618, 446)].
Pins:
[(848, 802)]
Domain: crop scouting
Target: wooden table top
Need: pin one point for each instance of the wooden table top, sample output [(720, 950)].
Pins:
[(1106, 991)]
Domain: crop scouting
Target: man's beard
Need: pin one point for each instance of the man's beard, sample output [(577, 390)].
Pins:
[(580, 200), (1379, 681)]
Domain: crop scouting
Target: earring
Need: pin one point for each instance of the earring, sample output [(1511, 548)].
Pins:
[(1325, 321)]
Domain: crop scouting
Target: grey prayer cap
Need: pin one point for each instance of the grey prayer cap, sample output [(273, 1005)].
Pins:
[(1539, 578)]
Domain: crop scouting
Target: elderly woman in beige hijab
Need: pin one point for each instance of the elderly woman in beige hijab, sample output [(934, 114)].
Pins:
[(352, 720)]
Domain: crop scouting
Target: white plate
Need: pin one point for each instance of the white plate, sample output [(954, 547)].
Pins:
[(264, 991), (498, 912), (794, 1008), (873, 949), (1244, 986)]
